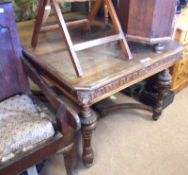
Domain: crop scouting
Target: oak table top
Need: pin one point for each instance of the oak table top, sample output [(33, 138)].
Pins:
[(106, 69)]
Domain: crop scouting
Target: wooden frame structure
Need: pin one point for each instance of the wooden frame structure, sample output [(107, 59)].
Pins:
[(109, 76), (85, 23), (14, 81)]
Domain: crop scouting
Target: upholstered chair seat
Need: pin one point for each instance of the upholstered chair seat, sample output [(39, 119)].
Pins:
[(22, 126)]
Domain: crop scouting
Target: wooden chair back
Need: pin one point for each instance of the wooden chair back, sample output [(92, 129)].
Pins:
[(12, 77), (13, 80)]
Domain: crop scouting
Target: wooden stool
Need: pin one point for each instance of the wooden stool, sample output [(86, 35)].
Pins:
[(85, 23)]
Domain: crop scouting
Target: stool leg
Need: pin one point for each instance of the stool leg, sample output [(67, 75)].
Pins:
[(117, 27), (106, 16), (46, 13), (67, 38), (93, 13), (88, 125), (38, 23), (163, 82)]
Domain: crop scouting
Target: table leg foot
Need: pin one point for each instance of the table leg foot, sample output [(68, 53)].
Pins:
[(163, 82), (159, 48), (88, 125), (156, 115)]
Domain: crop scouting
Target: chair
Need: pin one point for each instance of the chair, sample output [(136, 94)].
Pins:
[(85, 23), (28, 135)]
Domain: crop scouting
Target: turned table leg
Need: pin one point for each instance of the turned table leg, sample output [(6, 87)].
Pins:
[(163, 82), (88, 125)]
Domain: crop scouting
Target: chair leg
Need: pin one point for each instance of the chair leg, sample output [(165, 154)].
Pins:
[(69, 151), (70, 160)]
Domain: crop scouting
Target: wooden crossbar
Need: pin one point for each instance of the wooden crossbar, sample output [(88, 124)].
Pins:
[(97, 42), (85, 23), (70, 25)]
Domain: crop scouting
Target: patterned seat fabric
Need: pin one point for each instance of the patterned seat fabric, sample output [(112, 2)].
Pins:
[(21, 125)]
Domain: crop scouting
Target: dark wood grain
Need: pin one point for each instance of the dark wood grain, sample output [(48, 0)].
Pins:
[(106, 72), (14, 81)]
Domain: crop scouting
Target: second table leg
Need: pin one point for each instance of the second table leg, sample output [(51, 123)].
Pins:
[(163, 83)]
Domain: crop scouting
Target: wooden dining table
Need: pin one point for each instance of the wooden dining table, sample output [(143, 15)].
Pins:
[(106, 72)]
